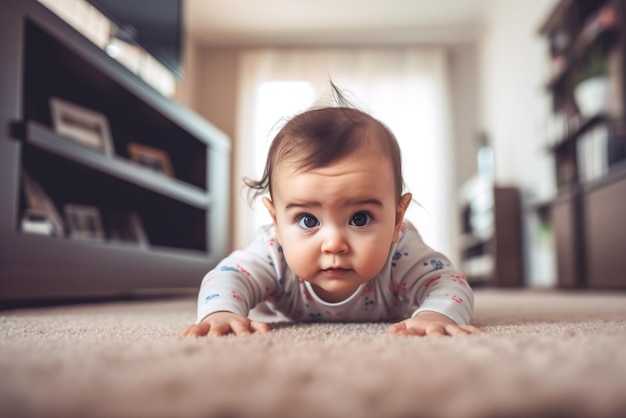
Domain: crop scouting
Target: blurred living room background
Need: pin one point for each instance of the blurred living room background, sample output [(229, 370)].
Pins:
[(509, 114)]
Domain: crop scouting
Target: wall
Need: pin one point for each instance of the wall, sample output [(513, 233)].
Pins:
[(514, 109), (210, 88), (464, 108)]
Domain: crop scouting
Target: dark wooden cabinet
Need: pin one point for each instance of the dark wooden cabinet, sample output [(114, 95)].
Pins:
[(587, 45), (605, 232), (565, 221), (183, 214)]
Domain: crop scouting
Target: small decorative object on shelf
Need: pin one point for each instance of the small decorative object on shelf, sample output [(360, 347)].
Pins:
[(125, 226), (592, 82), (152, 158), (38, 201), (85, 126), (37, 222), (84, 222)]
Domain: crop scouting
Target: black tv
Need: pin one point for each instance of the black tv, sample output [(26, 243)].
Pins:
[(155, 25)]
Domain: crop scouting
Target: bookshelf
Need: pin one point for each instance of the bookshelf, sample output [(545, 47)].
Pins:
[(587, 54), (125, 223)]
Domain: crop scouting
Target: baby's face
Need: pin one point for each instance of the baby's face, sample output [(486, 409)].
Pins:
[(336, 224)]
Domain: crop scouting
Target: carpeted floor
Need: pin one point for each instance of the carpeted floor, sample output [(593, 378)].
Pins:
[(546, 354)]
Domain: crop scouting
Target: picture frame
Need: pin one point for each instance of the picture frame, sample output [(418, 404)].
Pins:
[(125, 227), (151, 158), (37, 201), (84, 222), (84, 126)]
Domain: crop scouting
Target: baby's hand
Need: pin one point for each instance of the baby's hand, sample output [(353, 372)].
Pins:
[(431, 323), (222, 323)]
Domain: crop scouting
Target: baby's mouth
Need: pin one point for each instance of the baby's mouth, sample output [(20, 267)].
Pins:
[(336, 271)]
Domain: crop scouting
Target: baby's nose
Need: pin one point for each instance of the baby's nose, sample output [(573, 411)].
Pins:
[(334, 242)]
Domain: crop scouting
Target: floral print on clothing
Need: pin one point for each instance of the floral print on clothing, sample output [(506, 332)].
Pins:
[(398, 288), (437, 264), (238, 269), (212, 296), (397, 256), (335, 315), (459, 279), (432, 280)]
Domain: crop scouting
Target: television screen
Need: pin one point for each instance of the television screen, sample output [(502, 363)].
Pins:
[(156, 26)]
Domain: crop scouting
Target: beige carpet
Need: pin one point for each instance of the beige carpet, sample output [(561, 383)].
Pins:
[(545, 354)]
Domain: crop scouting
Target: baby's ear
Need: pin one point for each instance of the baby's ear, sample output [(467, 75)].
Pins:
[(403, 205), (270, 208)]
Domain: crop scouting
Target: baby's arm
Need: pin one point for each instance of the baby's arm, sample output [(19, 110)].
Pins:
[(433, 324), (222, 323), (234, 287), (426, 278)]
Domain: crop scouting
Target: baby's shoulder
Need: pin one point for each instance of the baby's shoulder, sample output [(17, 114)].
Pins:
[(409, 233)]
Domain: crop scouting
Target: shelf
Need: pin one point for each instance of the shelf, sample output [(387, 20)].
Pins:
[(43, 138), (603, 25), (616, 173), (111, 247), (469, 242), (125, 268), (582, 128)]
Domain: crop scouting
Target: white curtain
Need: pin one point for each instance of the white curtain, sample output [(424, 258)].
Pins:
[(404, 87)]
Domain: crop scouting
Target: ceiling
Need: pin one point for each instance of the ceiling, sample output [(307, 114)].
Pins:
[(332, 22)]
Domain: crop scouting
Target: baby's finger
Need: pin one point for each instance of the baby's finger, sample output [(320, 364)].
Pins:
[(261, 327), (221, 328), (196, 330), (472, 329), (454, 330), (240, 327), (399, 328), (435, 331), (396, 328)]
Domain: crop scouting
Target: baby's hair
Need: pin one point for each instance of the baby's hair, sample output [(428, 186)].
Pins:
[(321, 136)]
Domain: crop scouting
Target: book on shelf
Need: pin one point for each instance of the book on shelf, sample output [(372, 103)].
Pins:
[(592, 154)]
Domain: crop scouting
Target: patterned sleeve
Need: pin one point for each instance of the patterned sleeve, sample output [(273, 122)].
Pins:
[(241, 280), (426, 279)]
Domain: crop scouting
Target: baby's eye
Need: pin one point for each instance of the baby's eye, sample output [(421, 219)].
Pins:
[(307, 221), (360, 219)]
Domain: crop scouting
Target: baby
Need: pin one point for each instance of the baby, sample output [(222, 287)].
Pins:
[(338, 248)]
